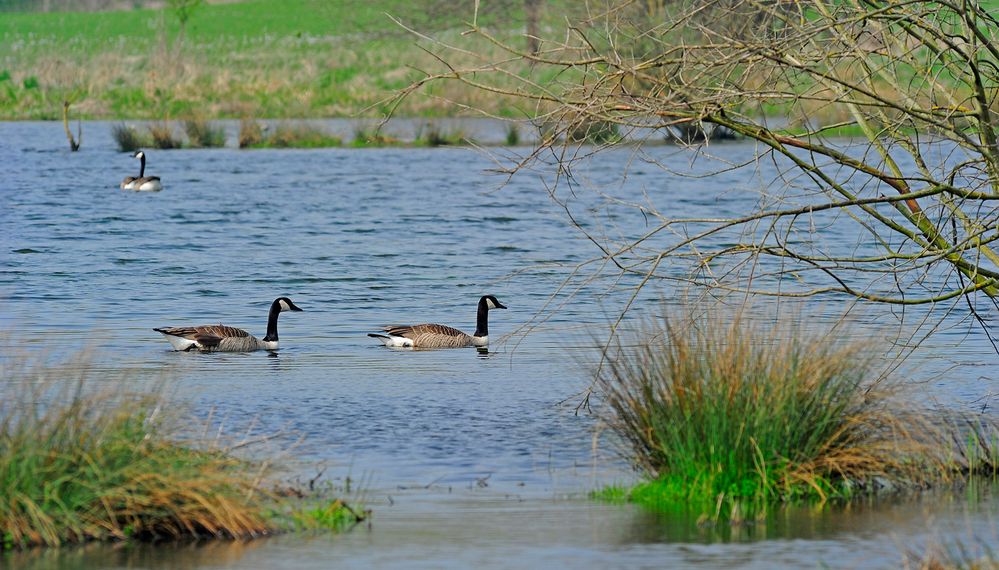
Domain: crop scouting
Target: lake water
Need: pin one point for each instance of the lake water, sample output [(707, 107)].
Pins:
[(466, 458)]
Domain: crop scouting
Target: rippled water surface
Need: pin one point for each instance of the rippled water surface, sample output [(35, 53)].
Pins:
[(482, 463)]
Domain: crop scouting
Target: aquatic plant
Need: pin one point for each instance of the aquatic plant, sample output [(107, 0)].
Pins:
[(593, 132), (84, 459), (162, 135), (717, 411), (512, 134), (251, 133), (201, 133), (79, 463), (285, 135), (367, 137), (432, 134), (127, 137), (334, 515), (301, 135)]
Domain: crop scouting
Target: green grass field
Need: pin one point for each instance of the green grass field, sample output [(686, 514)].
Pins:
[(258, 58)]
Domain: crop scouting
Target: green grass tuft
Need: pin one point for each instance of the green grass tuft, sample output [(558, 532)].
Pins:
[(202, 134), (334, 515), (365, 137), (94, 465), (128, 138), (719, 413), (301, 135), (512, 134), (285, 135)]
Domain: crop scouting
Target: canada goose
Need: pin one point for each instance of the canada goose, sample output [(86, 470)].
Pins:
[(441, 336), (143, 183), (222, 338)]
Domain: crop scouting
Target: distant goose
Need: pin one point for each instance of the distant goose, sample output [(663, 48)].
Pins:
[(143, 183), (222, 338), (441, 336)]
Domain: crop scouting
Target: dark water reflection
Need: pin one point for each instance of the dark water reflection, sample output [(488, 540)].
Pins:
[(364, 238)]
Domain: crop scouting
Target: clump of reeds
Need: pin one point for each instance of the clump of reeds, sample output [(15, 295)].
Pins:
[(202, 134), (127, 137), (512, 134), (365, 137), (593, 132), (714, 409), (301, 135), (162, 134), (285, 135), (432, 134), (79, 463), (251, 133)]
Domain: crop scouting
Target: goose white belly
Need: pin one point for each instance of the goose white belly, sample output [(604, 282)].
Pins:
[(149, 186)]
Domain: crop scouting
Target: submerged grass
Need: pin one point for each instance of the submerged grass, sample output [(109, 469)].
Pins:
[(729, 416), (80, 463)]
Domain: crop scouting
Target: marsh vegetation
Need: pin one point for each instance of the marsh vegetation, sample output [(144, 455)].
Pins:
[(95, 459), (720, 411)]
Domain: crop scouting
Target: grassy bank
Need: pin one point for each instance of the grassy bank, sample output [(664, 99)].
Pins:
[(258, 58), (730, 418), (84, 458)]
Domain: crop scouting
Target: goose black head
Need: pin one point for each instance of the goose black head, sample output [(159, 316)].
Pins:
[(492, 302), (285, 304), (138, 154)]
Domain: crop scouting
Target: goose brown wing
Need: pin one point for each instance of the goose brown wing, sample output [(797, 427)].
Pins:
[(413, 331), (204, 331)]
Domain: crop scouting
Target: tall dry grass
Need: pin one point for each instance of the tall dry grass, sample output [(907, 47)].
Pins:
[(163, 135), (86, 458)]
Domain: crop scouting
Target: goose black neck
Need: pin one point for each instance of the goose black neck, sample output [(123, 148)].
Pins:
[(482, 319), (142, 165), (272, 318)]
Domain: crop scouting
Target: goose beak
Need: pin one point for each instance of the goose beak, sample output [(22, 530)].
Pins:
[(500, 305), (294, 307)]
